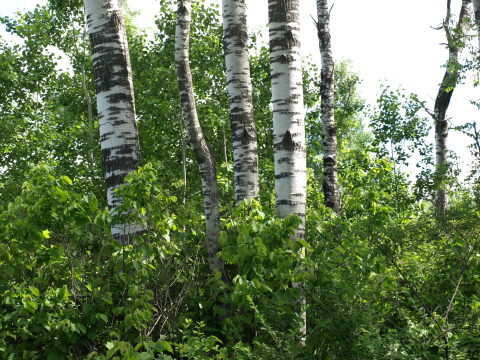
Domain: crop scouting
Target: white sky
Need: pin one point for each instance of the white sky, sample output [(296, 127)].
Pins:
[(393, 42)]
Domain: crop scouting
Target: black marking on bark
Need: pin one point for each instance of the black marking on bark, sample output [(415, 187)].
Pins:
[(121, 98), (105, 136), (288, 144), (117, 20), (246, 138), (276, 75), (182, 10), (286, 42), (287, 160), (283, 175), (281, 11), (115, 180), (239, 35), (288, 202)]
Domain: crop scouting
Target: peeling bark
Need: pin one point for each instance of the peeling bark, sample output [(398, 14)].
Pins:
[(203, 152), (115, 101), (330, 179), (442, 101), (288, 115), (245, 154)]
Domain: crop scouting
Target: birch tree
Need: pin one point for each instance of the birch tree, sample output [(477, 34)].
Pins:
[(245, 155), (115, 101), (456, 43), (203, 152), (329, 129), (288, 115), (476, 8)]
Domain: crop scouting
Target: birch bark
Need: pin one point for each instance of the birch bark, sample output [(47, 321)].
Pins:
[(330, 179), (115, 101), (203, 152), (245, 155), (455, 46), (288, 116)]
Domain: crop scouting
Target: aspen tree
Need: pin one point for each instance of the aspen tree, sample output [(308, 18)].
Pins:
[(476, 8), (329, 129), (203, 152), (456, 43), (288, 115), (245, 155), (115, 101), (288, 112)]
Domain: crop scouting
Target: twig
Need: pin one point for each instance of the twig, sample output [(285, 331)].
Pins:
[(416, 294), (346, 105), (460, 279)]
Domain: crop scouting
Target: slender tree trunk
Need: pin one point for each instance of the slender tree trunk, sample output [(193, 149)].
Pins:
[(330, 179), (455, 46), (288, 114), (184, 159), (245, 155), (115, 101), (476, 7), (203, 152)]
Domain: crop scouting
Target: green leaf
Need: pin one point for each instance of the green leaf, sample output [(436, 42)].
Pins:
[(91, 201), (163, 345), (143, 356), (459, 241), (122, 346), (46, 234), (102, 316), (304, 243), (340, 249), (67, 179), (112, 351), (34, 290), (82, 328), (52, 355)]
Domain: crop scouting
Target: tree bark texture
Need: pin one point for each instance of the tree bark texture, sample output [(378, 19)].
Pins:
[(455, 46), (288, 117), (245, 154), (330, 179), (115, 101), (203, 152), (288, 112)]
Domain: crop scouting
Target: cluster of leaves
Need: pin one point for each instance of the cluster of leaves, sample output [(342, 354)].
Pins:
[(383, 279)]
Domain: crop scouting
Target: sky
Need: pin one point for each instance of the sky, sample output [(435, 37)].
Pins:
[(383, 39)]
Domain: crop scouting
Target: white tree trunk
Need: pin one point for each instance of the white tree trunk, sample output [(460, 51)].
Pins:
[(203, 152), (288, 112), (288, 115), (115, 101), (330, 179), (455, 47), (245, 155), (476, 7)]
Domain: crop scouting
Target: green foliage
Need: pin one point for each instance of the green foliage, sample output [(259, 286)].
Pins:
[(396, 124), (384, 279)]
